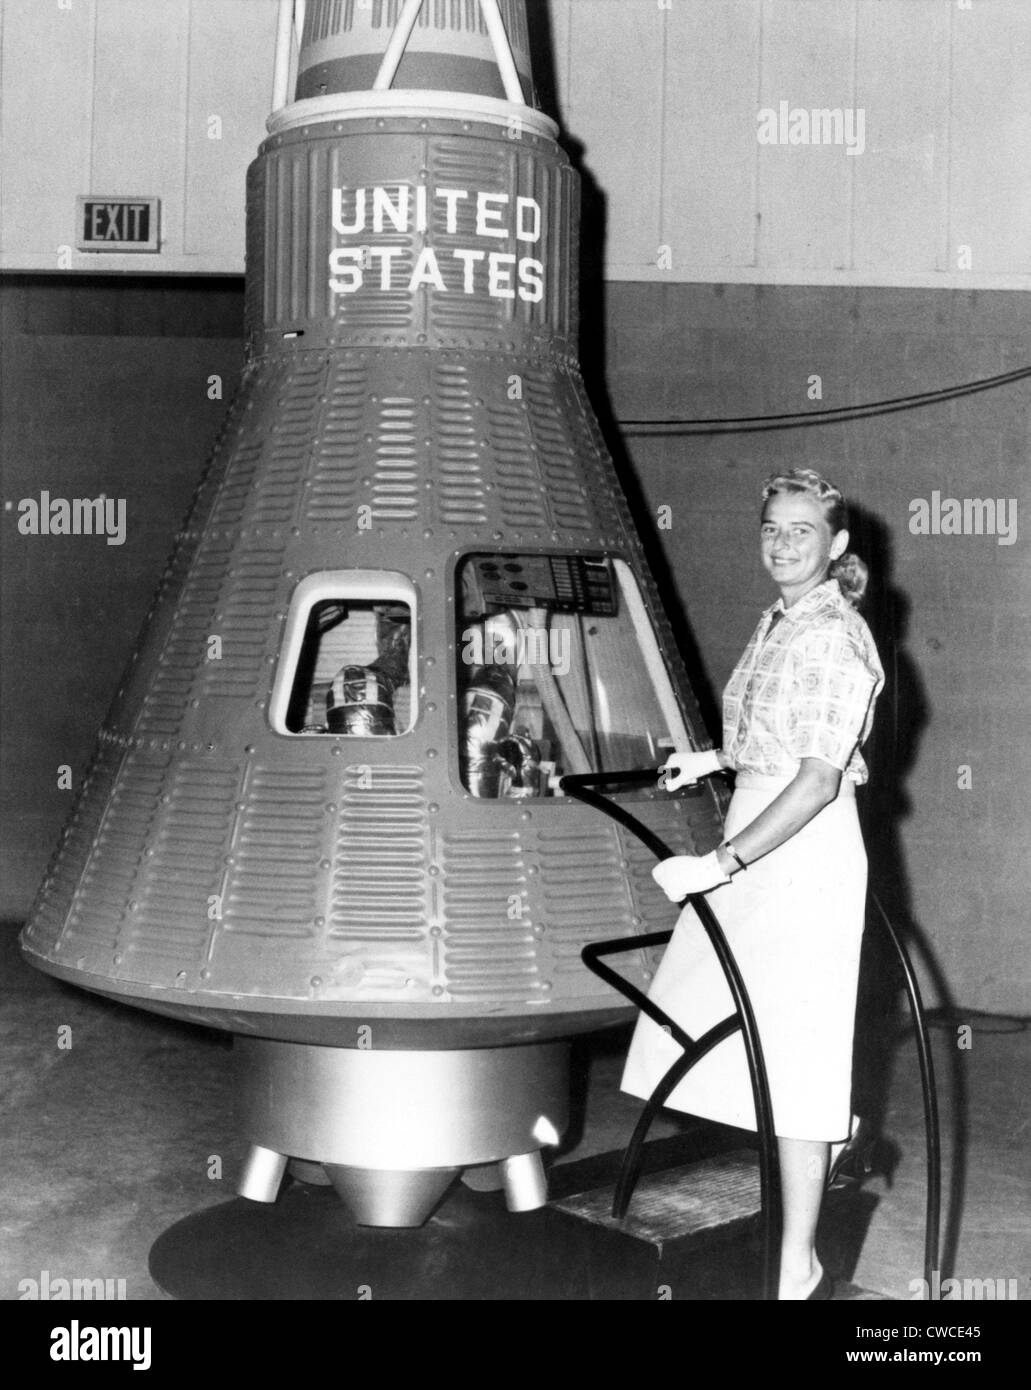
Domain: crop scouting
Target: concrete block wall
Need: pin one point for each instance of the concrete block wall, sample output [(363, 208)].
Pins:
[(105, 388)]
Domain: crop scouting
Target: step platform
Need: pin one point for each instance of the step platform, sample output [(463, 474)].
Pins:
[(700, 1222), (716, 1194)]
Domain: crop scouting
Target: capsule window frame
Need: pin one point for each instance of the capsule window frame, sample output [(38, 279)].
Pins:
[(365, 586), (631, 591), (665, 691)]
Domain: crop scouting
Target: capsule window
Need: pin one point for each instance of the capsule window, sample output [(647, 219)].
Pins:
[(559, 672), (347, 667)]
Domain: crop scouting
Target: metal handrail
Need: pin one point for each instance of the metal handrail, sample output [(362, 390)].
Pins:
[(932, 1127), (579, 785)]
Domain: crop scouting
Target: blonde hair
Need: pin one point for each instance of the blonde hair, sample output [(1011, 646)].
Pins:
[(849, 570)]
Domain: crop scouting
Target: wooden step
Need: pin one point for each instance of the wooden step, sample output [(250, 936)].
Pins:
[(676, 1203), (697, 1220)]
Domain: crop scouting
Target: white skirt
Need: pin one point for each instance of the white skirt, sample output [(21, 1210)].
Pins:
[(794, 921)]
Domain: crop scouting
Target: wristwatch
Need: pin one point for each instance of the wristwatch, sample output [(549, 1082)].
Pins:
[(726, 845)]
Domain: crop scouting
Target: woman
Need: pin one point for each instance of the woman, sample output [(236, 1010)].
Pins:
[(796, 710)]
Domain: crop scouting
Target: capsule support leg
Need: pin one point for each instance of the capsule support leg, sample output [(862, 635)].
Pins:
[(526, 1184), (262, 1174)]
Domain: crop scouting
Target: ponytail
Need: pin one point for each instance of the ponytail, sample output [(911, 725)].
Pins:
[(852, 576)]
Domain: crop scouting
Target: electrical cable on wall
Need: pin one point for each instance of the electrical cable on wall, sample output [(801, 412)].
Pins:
[(746, 424)]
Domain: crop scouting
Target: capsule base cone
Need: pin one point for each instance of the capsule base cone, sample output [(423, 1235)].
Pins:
[(385, 1197)]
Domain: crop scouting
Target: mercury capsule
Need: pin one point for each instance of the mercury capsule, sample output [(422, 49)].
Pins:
[(324, 812)]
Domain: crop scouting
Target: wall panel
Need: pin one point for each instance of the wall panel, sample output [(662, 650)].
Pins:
[(113, 97), (903, 60), (46, 89), (990, 171), (711, 154), (660, 99), (226, 109), (139, 65), (617, 118), (804, 203)]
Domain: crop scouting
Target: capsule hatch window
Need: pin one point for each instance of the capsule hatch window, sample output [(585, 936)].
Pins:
[(347, 667), (559, 671)]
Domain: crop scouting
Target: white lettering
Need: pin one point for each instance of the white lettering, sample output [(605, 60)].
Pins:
[(451, 197), (338, 266), (468, 258), (399, 208), (427, 271), (497, 288), (387, 255), (78, 1343), (533, 231), (339, 224), (483, 212), (531, 282), (398, 213)]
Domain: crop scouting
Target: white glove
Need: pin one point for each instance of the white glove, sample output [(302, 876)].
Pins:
[(684, 769), (683, 874)]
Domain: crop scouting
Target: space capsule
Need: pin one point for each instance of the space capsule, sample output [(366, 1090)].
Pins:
[(324, 812)]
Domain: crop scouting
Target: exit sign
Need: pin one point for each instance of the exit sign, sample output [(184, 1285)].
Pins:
[(117, 224)]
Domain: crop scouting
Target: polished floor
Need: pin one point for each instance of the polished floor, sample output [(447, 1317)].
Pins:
[(117, 1124)]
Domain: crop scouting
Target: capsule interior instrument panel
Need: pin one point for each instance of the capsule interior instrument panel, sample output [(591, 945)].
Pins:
[(324, 810)]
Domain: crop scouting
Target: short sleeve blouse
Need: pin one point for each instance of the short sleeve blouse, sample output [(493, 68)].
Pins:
[(805, 687)]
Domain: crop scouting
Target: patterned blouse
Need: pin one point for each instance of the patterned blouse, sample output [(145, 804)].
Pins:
[(804, 688)]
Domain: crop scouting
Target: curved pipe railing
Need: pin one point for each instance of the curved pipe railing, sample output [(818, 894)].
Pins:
[(932, 1128), (579, 786)]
